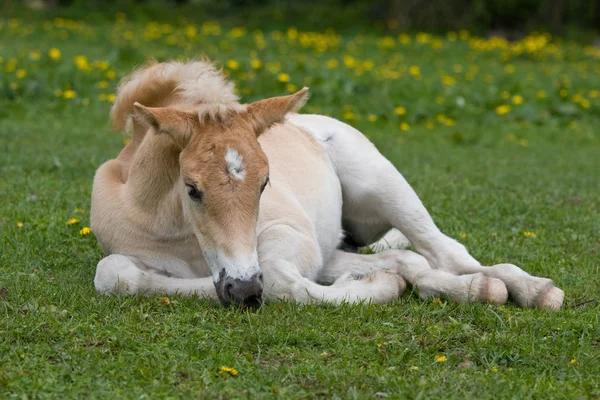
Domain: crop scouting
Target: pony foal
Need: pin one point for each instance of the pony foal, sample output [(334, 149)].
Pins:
[(247, 203)]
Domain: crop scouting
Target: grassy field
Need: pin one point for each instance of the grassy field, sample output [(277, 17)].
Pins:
[(499, 139)]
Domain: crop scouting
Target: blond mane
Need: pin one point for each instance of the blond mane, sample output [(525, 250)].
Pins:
[(193, 83)]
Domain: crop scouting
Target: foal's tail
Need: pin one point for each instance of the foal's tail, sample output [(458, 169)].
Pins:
[(162, 84)]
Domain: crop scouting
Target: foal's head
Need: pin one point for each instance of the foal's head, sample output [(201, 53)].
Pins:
[(223, 173)]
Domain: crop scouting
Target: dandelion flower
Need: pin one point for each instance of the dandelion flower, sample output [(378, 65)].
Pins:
[(503, 109), (441, 358), (228, 370), (283, 77), (463, 235), (541, 94), (69, 94), (414, 70), (72, 221), (529, 234), (332, 63), (372, 117), (111, 74), (21, 73), (517, 99), (85, 231), (404, 127), (256, 64), (290, 87), (233, 64), (19, 224), (165, 300), (574, 362), (54, 54), (399, 110)]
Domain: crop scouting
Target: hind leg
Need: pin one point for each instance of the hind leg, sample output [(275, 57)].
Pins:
[(415, 269), (376, 197)]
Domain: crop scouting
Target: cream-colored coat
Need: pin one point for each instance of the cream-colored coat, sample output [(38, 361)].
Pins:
[(326, 180)]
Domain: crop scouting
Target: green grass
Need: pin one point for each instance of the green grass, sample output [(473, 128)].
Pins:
[(486, 179)]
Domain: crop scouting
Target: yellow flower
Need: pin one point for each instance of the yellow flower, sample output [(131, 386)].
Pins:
[(85, 231), (441, 358), (111, 97), (21, 73), (82, 63), (228, 370), (503, 109), (72, 221), (165, 300), (283, 77), (349, 116), (414, 368), (69, 94), (414, 70), (463, 235), (19, 224), (447, 80), (54, 54), (574, 362), (404, 126), (34, 55), (332, 63), (529, 234), (79, 210), (290, 87), (437, 300), (399, 110), (594, 93), (517, 99), (372, 117), (111, 74), (509, 69), (541, 94), (233, 64), (256, 64)]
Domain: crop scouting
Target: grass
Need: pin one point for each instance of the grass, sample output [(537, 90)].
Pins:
[(498, 139)]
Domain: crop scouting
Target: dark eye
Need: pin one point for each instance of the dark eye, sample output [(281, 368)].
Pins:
[(194, 193), (264, 185)]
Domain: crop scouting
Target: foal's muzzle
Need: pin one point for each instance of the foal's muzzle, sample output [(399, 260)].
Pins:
[(246, 293)]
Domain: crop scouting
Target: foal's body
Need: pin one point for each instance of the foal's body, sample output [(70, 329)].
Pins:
[(326, 181)]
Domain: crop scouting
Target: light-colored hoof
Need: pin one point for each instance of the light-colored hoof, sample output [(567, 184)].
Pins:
[(552, 299), (401, 284), (117, 274), (494, 292)]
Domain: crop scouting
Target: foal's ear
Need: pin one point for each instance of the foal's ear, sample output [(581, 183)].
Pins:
[(179, 124), (265, 113)]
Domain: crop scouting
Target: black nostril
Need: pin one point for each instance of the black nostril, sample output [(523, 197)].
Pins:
[(260, 276), (228, 291)]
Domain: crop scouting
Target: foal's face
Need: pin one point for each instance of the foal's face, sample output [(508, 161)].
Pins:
[(223, 173)]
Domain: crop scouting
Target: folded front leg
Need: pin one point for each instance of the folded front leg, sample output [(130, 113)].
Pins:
[(120, 274)]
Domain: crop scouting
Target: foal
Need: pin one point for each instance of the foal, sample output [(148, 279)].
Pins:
[(247, 203)]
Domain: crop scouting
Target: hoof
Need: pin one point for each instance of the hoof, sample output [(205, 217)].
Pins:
[(552, 299), (494, 292)]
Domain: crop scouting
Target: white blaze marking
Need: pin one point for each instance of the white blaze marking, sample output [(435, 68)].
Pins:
[(235, 164)]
